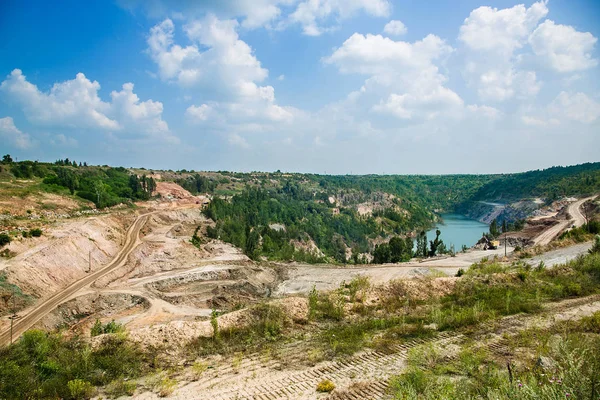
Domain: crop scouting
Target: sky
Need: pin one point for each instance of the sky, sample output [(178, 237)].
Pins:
[(319, 86)]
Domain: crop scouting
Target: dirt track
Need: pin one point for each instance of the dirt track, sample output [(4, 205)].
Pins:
[(362, 376), (26, 322), (577, 219)]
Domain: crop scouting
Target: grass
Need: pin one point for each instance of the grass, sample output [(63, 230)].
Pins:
[(266, 325), (571, 370), (341, 324)]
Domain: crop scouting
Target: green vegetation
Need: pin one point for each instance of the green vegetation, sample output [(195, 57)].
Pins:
[(42, 365), (110, 327), (104, 186), (247, 219), (197, 184), (265, 325), (4, 239), (325, 386), (550, 183)]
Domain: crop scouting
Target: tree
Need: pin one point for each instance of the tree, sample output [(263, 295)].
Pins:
[(436, 244), (421, 244), (381, 254), (7, 159), (494, 228)]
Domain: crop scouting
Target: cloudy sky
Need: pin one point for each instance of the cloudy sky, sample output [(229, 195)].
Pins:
[(325, 86)]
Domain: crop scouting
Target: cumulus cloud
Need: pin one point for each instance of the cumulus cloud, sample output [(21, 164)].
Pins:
[(492, 37), (237, 140), (11, 134), (404, 80), (217, 61), (314, 15), (71, 103), (503, 31), (76, 104), (562, 47), (396, 28), (199, 113), (577, 107), (225, 64)]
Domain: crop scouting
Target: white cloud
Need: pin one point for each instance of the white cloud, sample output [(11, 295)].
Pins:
[(539, 122), (577, 107), (313, 15), (503, 84), (562, 47), (237, 140), (199, 113), (225, 64), (11, 134), (76, 104), (227, 71), (404, 80), (63, 141), (396, 28), (70, 103), (491, 38), (485, 111), (427, 105), (503, 31), (281, 77)]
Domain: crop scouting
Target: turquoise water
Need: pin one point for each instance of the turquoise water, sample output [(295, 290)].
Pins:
[(458, 230)]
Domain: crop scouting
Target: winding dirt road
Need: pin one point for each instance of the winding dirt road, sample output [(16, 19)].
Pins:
[(27, 321), (577, 219)]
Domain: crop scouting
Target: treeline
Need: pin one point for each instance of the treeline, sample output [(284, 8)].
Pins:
[(104, 186), (197, 184), (551, 184)]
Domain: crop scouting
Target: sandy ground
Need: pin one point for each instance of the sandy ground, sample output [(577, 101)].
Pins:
[(362, 376), (576, 220), (560, 256), (303, 277)]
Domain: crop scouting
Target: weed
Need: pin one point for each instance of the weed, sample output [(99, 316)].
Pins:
[(198, 368), (325, 386)]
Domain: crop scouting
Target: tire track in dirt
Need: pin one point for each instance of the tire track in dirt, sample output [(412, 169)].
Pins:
[(257, 379)]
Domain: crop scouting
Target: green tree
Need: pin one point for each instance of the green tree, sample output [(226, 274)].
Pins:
[(382, 254), (435, 244), (494, 228), (421, 244), (7, 159)]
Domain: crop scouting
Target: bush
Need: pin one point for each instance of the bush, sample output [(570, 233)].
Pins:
[(4, 239), (80, 389), (35, 232), (119, 388)]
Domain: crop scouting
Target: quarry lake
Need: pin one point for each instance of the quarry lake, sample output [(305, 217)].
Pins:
[(458, 230)]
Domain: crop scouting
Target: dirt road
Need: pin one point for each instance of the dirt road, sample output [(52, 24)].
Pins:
[(576, 220), (33, 316), (303, 277)]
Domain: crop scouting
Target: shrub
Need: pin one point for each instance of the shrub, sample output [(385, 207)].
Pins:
[(80, 389), (4, 239), (35, 232), (111, 327), (119, 388), (325, 386), (596, 247)]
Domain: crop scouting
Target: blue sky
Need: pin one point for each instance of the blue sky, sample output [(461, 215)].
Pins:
[(325, 86)]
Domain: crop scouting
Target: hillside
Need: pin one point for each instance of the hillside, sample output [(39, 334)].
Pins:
[(307, 217)]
